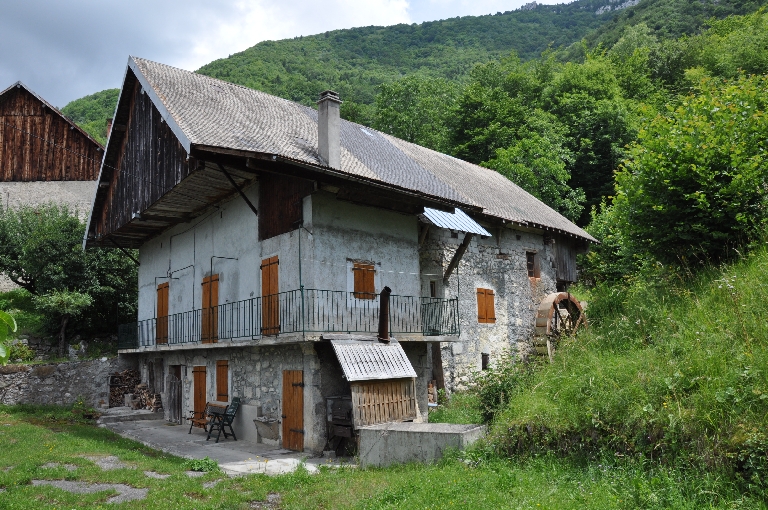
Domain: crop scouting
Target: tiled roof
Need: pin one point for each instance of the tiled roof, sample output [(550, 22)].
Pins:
[(204, 111)]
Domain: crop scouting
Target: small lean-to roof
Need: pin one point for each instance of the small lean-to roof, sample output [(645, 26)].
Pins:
[(457, 220), (211, 114), (363, 360)]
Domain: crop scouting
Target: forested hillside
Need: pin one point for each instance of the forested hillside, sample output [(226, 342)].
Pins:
[(91, 112)]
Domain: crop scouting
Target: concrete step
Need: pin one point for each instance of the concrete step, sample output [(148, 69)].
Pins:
[(121, 414)]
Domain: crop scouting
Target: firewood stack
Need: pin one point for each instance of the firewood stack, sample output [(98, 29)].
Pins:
[(120, 384), (143, 399)]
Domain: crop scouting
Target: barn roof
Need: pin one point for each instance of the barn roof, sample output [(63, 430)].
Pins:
[(209, 114), (20, 85)]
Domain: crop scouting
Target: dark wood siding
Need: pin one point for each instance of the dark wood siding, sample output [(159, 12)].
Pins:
[(150, 162), (280, 203), (565, 250), (38, 144)]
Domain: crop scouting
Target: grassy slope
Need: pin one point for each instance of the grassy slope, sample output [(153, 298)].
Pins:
[(34, 436), (677, 370)]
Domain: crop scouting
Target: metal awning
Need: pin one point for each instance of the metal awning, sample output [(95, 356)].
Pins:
[(369, 360), (457, 220)]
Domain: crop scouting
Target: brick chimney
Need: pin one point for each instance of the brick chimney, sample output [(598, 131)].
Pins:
[(328, 126)]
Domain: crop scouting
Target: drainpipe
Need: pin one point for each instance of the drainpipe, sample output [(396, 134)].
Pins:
[(384, 315)]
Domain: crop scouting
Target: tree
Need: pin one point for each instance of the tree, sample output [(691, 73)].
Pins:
[(41, 251), (6, 323), (65, 305), (695, 182), (537, 164), (415, 109)]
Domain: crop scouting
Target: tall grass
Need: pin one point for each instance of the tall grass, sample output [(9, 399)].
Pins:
[(674, 368)]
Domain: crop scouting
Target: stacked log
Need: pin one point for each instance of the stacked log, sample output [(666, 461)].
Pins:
[(120, 384), (144, 399)]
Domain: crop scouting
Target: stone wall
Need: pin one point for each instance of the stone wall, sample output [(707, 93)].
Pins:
[(497, 263), (60, 383)]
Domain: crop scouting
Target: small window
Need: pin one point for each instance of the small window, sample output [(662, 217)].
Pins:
[(485, 360), (222, 380), (364, 286), (532, 259), (433, 288), (486, 308)]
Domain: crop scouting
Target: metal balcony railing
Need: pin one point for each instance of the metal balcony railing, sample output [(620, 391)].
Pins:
[(296, 311)]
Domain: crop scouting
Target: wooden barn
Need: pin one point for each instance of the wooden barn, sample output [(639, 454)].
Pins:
[(44, 156)]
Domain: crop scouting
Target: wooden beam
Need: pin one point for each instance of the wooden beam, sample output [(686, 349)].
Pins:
[(234, 185), (457, 256), (423, 233)]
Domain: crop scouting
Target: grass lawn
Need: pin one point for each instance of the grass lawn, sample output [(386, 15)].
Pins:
[(35, 436)]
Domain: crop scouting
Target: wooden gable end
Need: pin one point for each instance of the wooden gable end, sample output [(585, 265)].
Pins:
[(145, 161), (38, 144)]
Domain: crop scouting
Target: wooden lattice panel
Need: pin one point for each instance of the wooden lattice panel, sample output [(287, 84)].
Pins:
[(383, 401)]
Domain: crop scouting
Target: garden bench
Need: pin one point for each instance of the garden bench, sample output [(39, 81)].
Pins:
[(203, 419)]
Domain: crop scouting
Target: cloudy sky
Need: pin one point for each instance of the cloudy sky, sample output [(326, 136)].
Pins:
[(64, 50)]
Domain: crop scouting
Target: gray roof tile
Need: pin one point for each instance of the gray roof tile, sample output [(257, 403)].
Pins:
[(215, 113)]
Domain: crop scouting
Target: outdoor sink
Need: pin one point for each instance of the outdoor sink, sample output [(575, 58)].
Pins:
[(269, 428)]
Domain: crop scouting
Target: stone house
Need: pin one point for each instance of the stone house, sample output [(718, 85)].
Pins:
[(266, 231)]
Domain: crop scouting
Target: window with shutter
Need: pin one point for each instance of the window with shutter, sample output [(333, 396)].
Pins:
[(270, 297), (364, 282), (532, 260), (486, 307), (210, 309), (222, 380), (161, 329)]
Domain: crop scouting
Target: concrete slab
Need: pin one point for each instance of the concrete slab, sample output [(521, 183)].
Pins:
[(395, 443), (234, 457), (117, 414)]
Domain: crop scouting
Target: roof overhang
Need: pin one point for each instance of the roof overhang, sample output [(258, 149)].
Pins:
[(456, 220)]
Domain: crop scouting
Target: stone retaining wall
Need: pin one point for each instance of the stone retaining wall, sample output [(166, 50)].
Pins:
[(60, 383)]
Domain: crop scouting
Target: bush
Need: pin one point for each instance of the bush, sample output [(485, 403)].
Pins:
[(205, 465), (19, 352), (694, 184), (500, 383)]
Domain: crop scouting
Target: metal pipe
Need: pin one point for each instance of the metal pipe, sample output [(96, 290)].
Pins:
[(384, 315)]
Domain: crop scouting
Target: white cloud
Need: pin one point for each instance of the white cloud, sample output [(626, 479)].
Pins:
[(65, 50)]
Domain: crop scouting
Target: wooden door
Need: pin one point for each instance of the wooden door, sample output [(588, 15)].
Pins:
[(210, 310), (293, 410), (199, 390), (270, 302), (161, 329), (173, 391)]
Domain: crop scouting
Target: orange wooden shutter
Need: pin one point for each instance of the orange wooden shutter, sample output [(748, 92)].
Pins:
[(270, 299), (490, 307), (198, 389), (363, 280), (222, 380), (161, 329), (481, 317), (210, 309)]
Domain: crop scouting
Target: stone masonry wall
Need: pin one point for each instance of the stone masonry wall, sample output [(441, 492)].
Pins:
[(60, 383), (497, 263)]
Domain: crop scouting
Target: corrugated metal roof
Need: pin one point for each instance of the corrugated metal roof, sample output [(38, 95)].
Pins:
[(364, 360), (207, 112), (457, 220)]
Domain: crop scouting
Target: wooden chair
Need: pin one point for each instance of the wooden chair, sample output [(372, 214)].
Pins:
[(203, 419), (221, 420)]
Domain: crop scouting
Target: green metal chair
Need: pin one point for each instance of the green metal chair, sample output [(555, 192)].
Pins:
[(222, 420)]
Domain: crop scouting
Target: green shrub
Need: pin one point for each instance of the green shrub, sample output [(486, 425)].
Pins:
[(20, 353), (205, 465)]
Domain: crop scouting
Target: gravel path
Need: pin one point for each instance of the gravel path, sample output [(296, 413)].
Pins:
[(125, 492)]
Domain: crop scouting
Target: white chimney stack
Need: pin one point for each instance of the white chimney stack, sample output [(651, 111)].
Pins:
[(328, 126)]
